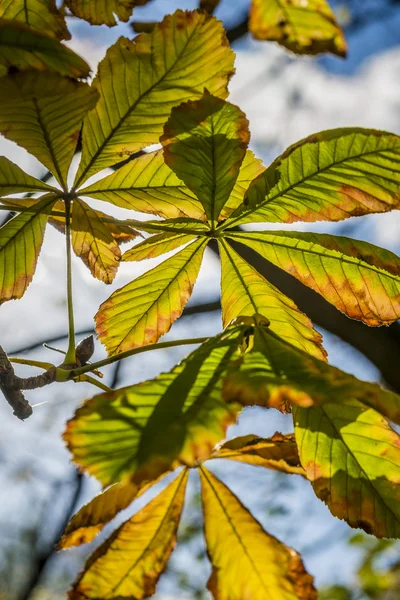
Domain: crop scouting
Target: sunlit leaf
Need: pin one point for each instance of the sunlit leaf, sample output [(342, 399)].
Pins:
[(184, 54), (141, 431), (142, 311), (14, 180), (103, 12), (43, 112), (279, 453), (352, 456), (129, 563), (93, 242), (247, 562), (27, 49), (41, 15), (250, 168), (305, 27), (244, 292), (329, 176), (156, 245), (21, 239), (147, 185), (205, 142)]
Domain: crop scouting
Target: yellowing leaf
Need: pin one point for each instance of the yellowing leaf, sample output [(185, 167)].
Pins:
[(250, 168), (99, 12), (245, 292), (14, 180), (329, 176), (129, 563), (93, 242), (41, 15), (139, 313), (184, 54), (156, 245), (205, 142), (147, 185), (43, 112), (21, 239), (305, 27), (247, 561), (360, 279), (279, 453), (27, 49), (351, 456)]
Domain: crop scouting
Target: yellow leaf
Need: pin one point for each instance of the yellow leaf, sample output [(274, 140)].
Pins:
[(14, 180), (102, 12), (41, 15), (156, 245), (250, 168)]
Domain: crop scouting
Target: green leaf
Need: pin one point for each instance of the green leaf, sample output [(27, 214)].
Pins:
[(141, 431), (304, 27), (41, 15), (205, 142), (129, 563), (147, 185), (244, 292), (21, 239), (185, 53), (329, 176), (247, 562), (43, 112), (27, 49), (103, 12), (93, 242), (360, 279), (139, 313), (279, 453), (156, 245), (351, 457), (14, 180)]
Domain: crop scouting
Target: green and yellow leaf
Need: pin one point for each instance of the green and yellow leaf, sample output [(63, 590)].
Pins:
[(94, 243), (247, 562), (360, 279), (352, 456), (244, 292), (139, 432), (205, 142), (103, 12), (184, 54), (41, 15), (129, 563), (141, 312), (156, 245), (21, 239), (13, 180), (304, 27), (43, 113), (250, 168)]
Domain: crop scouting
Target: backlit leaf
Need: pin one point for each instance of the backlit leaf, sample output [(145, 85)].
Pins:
[(14, 180), (43, 112), (247, 561), (129, 563), (93, 242), (279, 453), (27, 49), (184, 54), (139, 313), (141, 431), (41, 15), (360, 279), (21, 239), (305, 27), (156, 245), (103, 12), (352, 456), (250, 168), (329, 176), (244, 292)]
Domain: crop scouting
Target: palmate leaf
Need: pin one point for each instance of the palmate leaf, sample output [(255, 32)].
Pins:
[(244, 292), (21, 239), (27, 49), (139, 432), (279, 453), (360, 279), (157, 245), (41, 15), (329, 176), (139, 313), (43, 112), (130, 562), (352, 456), (304, 27), (185, 53), (247, 561), (102, 12), (205, 142), (13, 180)]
